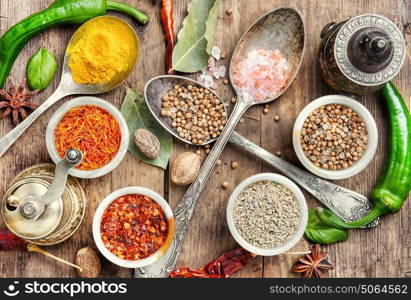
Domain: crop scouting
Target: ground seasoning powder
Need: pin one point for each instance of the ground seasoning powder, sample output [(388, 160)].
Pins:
[(266, 214), (133, 227), (93, 131), (102, 51)]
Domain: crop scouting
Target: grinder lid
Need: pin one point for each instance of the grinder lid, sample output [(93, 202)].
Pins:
[(369, 50)]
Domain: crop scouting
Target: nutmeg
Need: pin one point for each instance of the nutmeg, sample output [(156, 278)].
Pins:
[(147, 143), (88, 261), (185, 168)]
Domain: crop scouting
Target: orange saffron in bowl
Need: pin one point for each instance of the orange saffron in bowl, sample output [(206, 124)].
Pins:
[(93, 131)]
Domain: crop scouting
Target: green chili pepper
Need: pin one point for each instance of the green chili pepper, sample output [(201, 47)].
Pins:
[(319, 233), (394, 183), (58, 13)]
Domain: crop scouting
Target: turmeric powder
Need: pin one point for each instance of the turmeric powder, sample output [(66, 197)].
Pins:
[(103, 50)]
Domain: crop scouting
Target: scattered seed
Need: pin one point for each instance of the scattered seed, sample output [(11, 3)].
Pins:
[(223, 54), (229, 11), (265, 110), (224, 185), (225, 81), (234, 165), (276, 118), (278, 153), (218, 162), (233, 100)]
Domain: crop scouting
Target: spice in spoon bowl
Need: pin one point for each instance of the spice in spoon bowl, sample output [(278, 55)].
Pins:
[(133, 227), (267, 214), (93, 126), (335, 137), (103, 51)]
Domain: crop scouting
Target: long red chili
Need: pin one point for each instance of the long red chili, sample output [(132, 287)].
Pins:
[(11, 242), (168, 27), (222, 267)]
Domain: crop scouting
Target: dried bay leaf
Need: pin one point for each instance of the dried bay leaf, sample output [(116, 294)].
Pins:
[(137, 115), (195, 39)]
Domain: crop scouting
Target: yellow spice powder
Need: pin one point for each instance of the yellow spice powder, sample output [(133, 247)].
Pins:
[(102, 50)]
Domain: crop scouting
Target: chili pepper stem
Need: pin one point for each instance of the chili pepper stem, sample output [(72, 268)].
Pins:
[(137, 14), (334, 221), (35, 248)]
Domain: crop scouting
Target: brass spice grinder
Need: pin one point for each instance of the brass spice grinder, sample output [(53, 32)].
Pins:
[(360, 55), (44, 205)]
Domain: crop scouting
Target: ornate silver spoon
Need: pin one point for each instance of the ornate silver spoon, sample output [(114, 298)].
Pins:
[(281, 29), (67, 87)]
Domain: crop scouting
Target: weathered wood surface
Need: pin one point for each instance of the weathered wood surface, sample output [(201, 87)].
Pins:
[(383, 251)]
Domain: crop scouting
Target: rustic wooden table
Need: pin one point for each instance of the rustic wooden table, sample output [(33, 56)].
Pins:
[(382, 251)]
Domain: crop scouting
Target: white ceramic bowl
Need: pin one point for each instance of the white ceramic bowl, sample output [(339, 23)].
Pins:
[(97, 223), (82, 101), (367, 155), (301, 224)]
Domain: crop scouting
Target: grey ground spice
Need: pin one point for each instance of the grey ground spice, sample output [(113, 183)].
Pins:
[(266, 214)]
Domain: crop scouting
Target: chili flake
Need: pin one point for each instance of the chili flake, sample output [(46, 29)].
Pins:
[(93, 131), (133, 227)]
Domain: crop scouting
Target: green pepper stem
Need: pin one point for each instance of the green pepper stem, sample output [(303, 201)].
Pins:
[(137, 14), (333, 220)]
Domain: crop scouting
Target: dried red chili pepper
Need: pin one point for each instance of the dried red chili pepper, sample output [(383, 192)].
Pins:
[(168, 27), (11, 242), (222, 267), (133, 227)]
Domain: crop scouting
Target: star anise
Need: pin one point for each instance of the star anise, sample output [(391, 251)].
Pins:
[(313, 264), (16, 101)]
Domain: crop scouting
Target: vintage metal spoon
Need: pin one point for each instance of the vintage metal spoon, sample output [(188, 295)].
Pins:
[(67, 87), (281, 29), (345, 203)]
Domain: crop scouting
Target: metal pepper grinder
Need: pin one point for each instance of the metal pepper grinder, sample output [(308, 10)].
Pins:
[(44, 205), (361, 54)]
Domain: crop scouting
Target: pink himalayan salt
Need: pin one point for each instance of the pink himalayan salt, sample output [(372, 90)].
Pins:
[(261, 74)]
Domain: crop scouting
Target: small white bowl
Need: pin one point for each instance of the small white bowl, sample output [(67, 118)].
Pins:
[(367, 155), (301, 224), (94, 101), (168, 213)]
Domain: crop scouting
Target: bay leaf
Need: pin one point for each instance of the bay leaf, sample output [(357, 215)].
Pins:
[(137, 115), (195, 39)]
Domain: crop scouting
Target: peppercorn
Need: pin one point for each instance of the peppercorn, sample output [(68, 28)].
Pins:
[(334, 137), (196, 114)]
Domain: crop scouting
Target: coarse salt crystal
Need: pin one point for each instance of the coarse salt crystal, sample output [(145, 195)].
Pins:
[(216, 53)]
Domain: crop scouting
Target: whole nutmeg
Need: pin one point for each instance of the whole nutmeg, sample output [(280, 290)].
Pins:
[(88, 261), (147, 143), (185, 168)]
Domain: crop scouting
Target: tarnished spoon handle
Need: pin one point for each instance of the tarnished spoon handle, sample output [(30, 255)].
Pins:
[(184, 209), (14, 134), (345, 203)]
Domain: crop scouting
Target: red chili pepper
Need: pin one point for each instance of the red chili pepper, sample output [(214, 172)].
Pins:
[(168, 27), (10, 242), (222, 267)]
